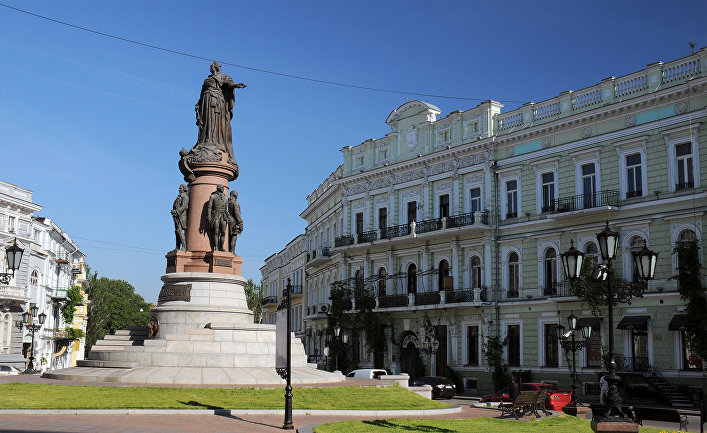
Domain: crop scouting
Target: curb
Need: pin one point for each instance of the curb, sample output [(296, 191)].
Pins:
[(226, 412)]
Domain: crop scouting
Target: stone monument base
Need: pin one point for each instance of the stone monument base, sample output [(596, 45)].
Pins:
[(203, 335), (222, 262), (601, 426)]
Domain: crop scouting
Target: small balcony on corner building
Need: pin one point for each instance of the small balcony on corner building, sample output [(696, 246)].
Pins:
[(570, 206)]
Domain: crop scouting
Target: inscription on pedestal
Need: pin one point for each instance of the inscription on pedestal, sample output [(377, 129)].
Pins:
[(222, 262), (175, 292)]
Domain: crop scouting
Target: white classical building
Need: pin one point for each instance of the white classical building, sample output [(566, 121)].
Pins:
[(51, 264), (450, 228)]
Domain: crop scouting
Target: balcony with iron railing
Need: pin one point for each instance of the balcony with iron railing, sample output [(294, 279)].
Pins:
[(15, 293), (318, 256), (462, 221), (583, 202), (269, 300), (296, 290)]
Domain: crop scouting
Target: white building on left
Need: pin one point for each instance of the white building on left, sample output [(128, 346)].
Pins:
[(51, 264)]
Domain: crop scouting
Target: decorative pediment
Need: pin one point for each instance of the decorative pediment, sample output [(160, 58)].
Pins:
[(413, 108)]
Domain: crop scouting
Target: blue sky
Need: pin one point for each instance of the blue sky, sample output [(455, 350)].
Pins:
[(94, 125)]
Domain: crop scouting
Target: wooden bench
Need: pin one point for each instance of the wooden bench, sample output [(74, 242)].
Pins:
[(660, 414), (525, 401)]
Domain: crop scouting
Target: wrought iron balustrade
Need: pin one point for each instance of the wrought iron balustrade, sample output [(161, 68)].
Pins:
[(397, 231), (296, 290), (344, 241), (558, 289), (512, 294), (390, 301), (684, 185), (427, 298), (632, 363), (584, 201), (368, 236), (456, 296), (270, 300), (365, 303), (428, 225), (465, 219)]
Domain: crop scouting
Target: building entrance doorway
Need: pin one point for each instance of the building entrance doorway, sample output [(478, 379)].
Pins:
[(408, 355)]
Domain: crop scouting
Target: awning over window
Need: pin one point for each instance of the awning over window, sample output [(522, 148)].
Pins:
[(679, 321), (591, 321), (639, 323)]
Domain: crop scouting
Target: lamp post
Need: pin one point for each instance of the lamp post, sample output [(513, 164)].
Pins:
[(431, 347), (573, 346), (28, 319), (339, 339), (13, 258), (286, 373), (623, 292)]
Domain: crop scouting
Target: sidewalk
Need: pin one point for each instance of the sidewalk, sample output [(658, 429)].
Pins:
[(174, 422)]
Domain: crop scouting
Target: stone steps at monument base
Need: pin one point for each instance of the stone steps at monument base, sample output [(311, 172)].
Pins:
[(105, 348), (123, 337), (105, 364), (118, 343), (133, 332)]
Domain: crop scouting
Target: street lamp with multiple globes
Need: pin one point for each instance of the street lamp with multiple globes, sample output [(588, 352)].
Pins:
[(28, 319), (13, 258), (573, 346), (431, 347), (614, 293), (343, 339)]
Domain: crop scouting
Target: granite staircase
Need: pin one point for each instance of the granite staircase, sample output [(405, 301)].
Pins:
[(132, 336), (676, 398)]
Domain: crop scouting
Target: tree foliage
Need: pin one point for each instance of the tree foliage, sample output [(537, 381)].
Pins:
[(254, 298), (494, 359), (113, 305), (74, 299), (690, 288)]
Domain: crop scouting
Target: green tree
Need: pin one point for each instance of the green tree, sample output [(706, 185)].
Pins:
[(690, 288), (113, 305), (254, 298), (74, 299)]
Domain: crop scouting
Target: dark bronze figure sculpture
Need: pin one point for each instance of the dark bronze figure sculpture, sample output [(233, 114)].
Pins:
[(179, 215), (217, 218), (214, 112), (235, 221)]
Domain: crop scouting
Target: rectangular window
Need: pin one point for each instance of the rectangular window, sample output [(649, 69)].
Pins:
[(633, 175), (475, 196), (383, 221), (548, 191), (686, 177), (359, 223), (472, 344), (412, 211), (514, 345), (589, 185), (512, 198), (444, 206), (551, 353), (359, 161), (11, 223), (382, 154)]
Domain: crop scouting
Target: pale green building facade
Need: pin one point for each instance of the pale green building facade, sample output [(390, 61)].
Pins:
[(460, 221)]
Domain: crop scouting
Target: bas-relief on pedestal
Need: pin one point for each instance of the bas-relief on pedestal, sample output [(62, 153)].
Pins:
[(201, 331)]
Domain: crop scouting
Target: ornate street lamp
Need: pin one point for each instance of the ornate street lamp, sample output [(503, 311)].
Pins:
[(645, 261), (343, 338), (28, 319), (611, 295), (13, 258), (573, 346), (572, 261)]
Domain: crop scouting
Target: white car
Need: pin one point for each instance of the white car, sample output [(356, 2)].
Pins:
[(367, 373), (8, 370)]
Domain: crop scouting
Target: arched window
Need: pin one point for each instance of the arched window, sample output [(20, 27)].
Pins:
[(412, 278), (685, 236), (513, 275), (5, 332), (636, 245), (382, 274), (34, 277), (550, 270), (442, 274), (476, 281), (358, 290)]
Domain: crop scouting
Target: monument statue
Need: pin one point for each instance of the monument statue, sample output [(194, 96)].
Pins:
[(235, 221), (179, 215), (217, 218), (214, 112)]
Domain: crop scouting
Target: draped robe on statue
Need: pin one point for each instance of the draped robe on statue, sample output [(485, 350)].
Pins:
[(214, 112)]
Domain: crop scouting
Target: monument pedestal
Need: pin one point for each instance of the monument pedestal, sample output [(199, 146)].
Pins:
[(603, 426), (222, 262)]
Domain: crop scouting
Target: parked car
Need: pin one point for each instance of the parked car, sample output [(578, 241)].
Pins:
[(441, 386), (8, 370), (554, 401), (367, 373)]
